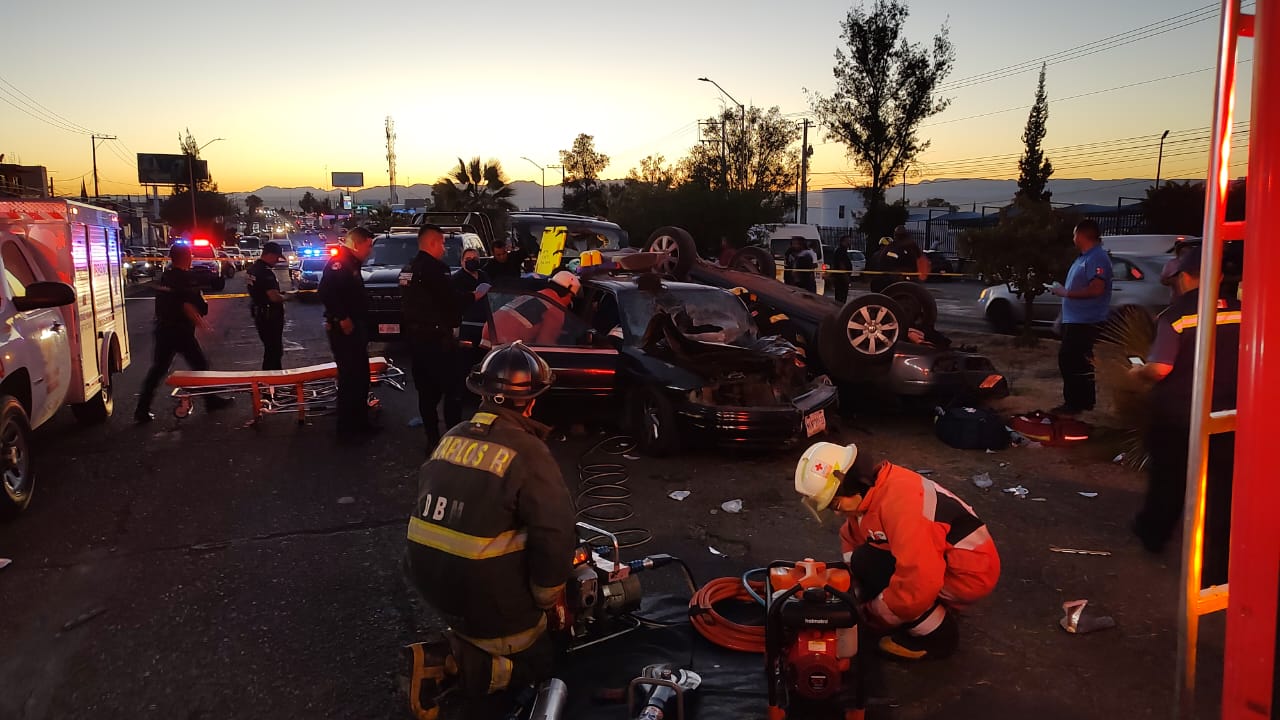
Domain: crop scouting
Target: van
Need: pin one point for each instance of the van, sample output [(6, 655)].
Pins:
[(777, 238), (1149, 245)]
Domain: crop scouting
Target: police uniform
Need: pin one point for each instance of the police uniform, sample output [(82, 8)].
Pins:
[(490, 545), (342, 291), (1168, 436), (508, 270), (175, 334), (842, 275), (799, 268), (475, 316), (432, 308), (268, 316), (896, 258)]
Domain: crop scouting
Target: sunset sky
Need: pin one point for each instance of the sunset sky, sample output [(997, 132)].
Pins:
[(301, 88)]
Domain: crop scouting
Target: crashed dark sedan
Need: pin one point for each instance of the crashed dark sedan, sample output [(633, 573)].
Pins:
[(683, 363)]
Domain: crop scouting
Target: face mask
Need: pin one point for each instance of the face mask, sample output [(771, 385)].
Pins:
[(472, 265)]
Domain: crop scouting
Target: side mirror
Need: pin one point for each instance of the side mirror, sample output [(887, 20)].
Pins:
[(45, 295)]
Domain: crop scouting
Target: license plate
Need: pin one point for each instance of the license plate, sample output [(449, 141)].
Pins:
[(815, 423), (388, 328)]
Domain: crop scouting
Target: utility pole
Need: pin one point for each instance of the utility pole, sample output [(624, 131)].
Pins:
[(804, 174), (391, 156), (1160, 159), (905, 170), (562, 181), (94, 141)]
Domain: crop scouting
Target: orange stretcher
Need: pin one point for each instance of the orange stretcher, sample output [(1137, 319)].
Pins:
[(296, 390)]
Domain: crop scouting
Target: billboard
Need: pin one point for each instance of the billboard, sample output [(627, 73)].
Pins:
[(347, 179), (159, 169)]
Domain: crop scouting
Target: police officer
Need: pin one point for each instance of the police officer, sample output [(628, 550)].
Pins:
[(347, 324), (491, 541), (1170, 366), (180, 310), (841, 269), (901, 259), (800, 265), (432, 308), (266, 305), (506, 264)]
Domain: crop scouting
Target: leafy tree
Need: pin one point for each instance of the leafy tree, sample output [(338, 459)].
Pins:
[(885, 87), (653, 171), (584, 193), (325, 207), (758, 157), (476, 187), (1034, 168), (1175, 208), (308, 202), (1030, 247), (253, 203), (940, 203)]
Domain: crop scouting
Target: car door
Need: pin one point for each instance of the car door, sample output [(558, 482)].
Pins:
[(41, 334), (585, 362)]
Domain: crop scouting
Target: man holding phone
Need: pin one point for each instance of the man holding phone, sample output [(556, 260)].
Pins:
[(1170, 366)]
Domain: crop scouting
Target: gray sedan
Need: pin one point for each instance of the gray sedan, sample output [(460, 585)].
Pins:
[(1137, 283)]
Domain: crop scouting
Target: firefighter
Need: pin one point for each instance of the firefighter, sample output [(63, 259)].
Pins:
[(491, 542), (180, 311), (916, 551), (1170, 369), (266, 305), (347, 324), (432, 305), (537, 319)]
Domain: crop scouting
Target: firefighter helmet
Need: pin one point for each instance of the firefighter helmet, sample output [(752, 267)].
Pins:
[(511, 371)]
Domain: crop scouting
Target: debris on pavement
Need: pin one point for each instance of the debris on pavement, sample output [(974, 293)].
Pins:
[(1118, 459), (5, 562), (990, 451), (83, 618), (716, 552), (1039, 499), (1078, 622), (346, 500), (731, 506), (415, 422), (678, 494), (1087, 494), (983, 481), (631, 457), (1075, 551), (1018, 491), (924, 472)]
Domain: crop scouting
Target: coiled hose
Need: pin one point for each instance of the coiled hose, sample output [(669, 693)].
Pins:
[(603, 494), (715, 627)]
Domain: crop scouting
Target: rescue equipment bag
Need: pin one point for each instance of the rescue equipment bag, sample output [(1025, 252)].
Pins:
[(970, 428), (1050, 429)]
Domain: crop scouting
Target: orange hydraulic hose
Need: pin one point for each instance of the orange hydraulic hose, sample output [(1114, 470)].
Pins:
[(714, 627)]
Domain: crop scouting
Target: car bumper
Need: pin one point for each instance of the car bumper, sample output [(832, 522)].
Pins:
[(945, 372), (759, 426)]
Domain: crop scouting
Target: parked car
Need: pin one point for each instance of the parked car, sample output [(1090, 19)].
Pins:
[(381, 272), (1136, 284), (859, 261), (227, 264), (205, 264), (309, 273), (684, 362), (582, 233), (942, 265)]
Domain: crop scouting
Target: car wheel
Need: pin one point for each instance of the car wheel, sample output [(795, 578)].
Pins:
[(864, 332), (17, 475), (98, 408), (653, 420), (920, 309), (1000, 317), (681, 250), (754, 260)]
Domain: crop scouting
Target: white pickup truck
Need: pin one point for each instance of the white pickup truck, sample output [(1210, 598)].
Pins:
[(63, 331)]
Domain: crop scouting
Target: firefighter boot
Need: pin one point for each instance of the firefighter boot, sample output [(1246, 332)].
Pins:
[(933, 637), (432, 673)]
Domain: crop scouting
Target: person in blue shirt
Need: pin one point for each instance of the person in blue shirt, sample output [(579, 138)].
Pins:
[(1086, 303)]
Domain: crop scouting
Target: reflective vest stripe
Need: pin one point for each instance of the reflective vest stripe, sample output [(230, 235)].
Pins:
[(463, 545), (510, 644), (1189, 321)]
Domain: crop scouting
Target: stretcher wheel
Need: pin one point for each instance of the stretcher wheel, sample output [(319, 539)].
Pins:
[(183, 408)]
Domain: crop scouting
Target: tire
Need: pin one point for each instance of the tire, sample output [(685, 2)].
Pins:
[(652, 418), (219, 284), (864, 332), (17, 474), (1000, 318), (681, 250), (918, 304), (98, 408), (754, 260)]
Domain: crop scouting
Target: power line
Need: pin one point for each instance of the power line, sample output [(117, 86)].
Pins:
[(40, 112), (6, 99)]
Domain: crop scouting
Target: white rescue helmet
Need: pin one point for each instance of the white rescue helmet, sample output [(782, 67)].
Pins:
[(568, 281), (819, 473)]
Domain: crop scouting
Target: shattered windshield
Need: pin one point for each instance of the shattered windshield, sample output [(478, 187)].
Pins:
[(705, 314)]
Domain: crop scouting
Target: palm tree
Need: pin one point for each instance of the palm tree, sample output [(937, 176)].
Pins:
[(476, 187)]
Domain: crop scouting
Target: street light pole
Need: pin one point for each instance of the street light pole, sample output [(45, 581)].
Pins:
[(562, 180), (544, 180), (1160, 159), (905, 170), (191, 176), (742, 110)]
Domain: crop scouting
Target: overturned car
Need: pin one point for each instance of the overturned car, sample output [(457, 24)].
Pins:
[(679, 364)]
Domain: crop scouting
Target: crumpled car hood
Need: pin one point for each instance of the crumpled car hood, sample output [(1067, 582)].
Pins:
[(768, 358)]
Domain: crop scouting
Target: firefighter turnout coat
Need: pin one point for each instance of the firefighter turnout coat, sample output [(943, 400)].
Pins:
[(942, 551), (491, 541)]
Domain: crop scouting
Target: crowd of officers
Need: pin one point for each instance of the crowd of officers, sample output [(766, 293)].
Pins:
[(896, 259)]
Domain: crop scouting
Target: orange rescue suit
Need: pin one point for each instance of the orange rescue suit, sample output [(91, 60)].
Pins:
[(942, 551)]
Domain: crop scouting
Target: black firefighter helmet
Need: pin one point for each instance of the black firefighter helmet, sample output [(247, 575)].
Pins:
[(511, 371)]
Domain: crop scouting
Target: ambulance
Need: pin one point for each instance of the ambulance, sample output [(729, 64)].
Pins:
[(64, 336)]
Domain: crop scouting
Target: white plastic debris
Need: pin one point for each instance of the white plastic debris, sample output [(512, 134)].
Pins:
[(716, 552), (983, 481), (990, 451), (1039, 499), (631, 457), (415, 422), (346, 500), (5, 562), (731, 506), (1018, 491), (1034, 445), (1118, 459), (1087, 494), (678, 494)]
